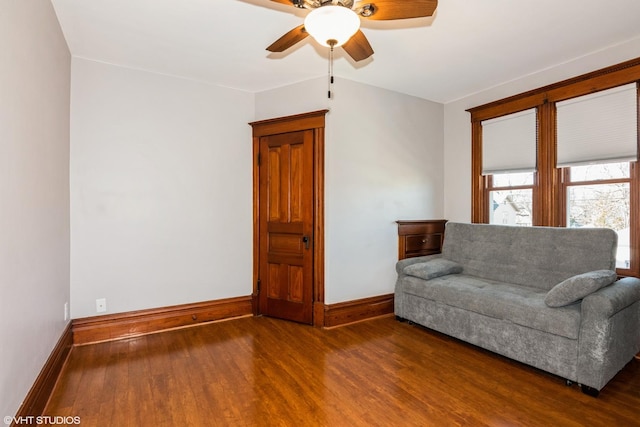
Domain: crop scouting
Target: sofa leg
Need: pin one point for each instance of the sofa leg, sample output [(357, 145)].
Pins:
[(401, 319), (589, 391)]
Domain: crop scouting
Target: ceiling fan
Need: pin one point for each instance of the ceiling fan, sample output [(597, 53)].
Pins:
[(336, 22)]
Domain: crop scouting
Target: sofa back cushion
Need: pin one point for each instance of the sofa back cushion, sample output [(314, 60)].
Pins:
[(540, 257)]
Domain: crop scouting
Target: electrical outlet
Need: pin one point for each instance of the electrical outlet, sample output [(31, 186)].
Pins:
[(101, 305), (66, 311)]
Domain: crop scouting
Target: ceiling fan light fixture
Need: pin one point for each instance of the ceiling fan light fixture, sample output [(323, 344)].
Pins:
[(332, 25)]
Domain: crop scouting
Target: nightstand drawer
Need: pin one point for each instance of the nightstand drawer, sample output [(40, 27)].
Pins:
[(420, 237), (423, 242)]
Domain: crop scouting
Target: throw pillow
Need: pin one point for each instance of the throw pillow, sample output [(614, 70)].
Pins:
[(433, 268), (577, 287)]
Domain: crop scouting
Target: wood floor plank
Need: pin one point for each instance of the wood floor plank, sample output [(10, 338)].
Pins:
[(268, 372)]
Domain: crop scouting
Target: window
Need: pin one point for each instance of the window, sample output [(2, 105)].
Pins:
[(509, 164), (586, 171), (597, 137), (511, 198), (509, 143), (600, 196), (598, 127)]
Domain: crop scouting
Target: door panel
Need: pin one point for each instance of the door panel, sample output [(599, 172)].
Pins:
[(286, 226)]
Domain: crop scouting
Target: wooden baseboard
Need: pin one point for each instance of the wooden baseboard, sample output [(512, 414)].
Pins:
[(357, 310), (37, 398), (125, 325)]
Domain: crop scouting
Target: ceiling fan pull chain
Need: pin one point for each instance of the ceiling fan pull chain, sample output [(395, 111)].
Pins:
[(331, 45)]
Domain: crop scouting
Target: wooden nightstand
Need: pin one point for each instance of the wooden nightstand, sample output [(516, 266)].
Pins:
[(420, 237)]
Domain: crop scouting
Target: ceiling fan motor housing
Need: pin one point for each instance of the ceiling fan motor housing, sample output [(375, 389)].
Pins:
[(314, 4)]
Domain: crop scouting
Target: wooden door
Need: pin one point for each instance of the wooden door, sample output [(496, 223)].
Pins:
[(288, 204), (286, 226)]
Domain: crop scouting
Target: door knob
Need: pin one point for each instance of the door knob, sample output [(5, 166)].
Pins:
[(305, 240)]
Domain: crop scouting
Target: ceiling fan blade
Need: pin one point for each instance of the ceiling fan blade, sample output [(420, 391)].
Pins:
[(358, 47), (287, 2), (289, 39), (401, 9)]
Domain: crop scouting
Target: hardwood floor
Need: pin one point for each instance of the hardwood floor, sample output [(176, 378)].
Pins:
[(259, 371)]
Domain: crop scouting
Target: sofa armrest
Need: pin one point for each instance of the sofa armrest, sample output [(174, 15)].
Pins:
[(609, 300), (399, 298), (400, 265), (609, 332)]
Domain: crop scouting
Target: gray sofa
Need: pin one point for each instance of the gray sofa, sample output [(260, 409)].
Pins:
[(547, 297)]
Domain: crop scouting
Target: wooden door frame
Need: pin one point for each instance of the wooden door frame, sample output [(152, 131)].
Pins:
[(314, 121)]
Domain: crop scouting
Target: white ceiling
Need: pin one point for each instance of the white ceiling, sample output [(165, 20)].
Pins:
[(466, 47)]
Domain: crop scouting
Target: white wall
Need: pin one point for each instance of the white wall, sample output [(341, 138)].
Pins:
[(161, 199), (383, 162), (457, 122), (34, 193)]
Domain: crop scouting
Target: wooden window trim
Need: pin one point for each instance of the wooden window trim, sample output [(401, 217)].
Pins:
[(605, 78)]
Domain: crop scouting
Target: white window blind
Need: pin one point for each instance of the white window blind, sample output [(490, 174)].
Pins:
[(601, 127), (509, 143)]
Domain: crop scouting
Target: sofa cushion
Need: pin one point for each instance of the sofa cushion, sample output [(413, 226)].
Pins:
[(522, 305), (433, 268), (579, 286)]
